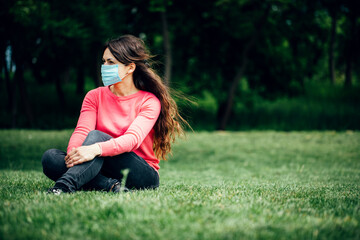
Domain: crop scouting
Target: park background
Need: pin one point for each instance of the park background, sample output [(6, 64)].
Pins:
[(278, 78), (283, 65)]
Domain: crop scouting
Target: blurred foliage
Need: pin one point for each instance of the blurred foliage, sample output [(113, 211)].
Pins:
[(55, 50)]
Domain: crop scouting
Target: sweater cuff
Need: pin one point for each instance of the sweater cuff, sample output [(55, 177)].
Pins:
[(107, 148), (100, 149)]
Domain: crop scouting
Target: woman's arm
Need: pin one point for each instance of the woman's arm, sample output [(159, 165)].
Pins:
[(86, 122)]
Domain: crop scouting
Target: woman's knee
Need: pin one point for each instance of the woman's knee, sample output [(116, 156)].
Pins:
[(53, 163), (48, 157), (96, 136)]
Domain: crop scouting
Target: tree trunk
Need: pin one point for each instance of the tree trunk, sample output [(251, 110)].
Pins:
[(60, 93), (95, 70), (11, 91), (348, 73), (167, 48), (13, 103), (350, 48), (332, 49), (226, 110), (36, 71), (65, 75), (80, 81), (19, 79), (97, 76), (8, 86)]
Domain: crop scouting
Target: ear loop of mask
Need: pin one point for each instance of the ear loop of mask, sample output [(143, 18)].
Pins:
[(125, 76)]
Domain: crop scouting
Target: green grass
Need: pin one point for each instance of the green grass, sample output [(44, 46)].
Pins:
[(220, 185)]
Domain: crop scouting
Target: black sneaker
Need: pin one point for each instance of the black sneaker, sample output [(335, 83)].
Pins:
[(117, 188), (55, 191)]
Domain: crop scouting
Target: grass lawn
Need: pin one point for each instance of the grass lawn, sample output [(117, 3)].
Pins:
[(217, 185)]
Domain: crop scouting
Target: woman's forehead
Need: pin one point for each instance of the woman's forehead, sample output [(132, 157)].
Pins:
[(107, 53)]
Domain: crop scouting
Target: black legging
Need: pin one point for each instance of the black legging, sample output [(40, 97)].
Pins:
[(101, 172)]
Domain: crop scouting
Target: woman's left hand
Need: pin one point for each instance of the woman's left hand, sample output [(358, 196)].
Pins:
[(82, 154)]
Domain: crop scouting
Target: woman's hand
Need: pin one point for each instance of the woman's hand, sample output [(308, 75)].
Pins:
[(82, 154)]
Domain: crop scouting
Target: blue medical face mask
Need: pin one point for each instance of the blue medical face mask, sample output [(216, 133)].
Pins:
[(110, 74)]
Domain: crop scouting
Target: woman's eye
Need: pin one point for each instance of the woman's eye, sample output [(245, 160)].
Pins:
[(108, 62)]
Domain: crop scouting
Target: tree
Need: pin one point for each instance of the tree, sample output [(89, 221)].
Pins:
[(333, 14), (20, 18), (208, 47), (353, 14), (258, 25), (160, 6)]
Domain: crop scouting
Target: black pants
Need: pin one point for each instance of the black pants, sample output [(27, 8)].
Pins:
[(101, 172)]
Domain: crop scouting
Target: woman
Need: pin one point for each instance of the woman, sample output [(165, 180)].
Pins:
[(129, 123)]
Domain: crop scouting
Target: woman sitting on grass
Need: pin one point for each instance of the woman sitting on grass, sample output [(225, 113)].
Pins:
[(128, 124)]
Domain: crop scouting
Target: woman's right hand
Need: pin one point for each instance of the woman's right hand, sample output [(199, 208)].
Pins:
[(82, 154)]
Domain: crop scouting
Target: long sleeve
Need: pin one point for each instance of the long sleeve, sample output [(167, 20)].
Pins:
[(129, 120), (86, 122), (137, 131)]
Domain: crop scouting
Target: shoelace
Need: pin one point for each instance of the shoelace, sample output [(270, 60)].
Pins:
[(56, 191)]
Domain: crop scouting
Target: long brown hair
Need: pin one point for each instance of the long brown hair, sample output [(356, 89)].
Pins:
[(129, 49)]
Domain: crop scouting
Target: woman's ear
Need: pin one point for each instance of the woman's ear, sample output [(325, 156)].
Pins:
[(132, 67)]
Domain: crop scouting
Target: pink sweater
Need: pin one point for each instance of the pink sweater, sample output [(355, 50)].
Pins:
[(129, 120)]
